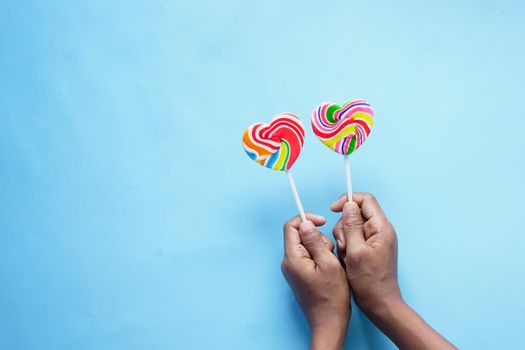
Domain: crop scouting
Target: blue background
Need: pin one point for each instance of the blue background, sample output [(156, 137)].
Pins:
[(130, 217)]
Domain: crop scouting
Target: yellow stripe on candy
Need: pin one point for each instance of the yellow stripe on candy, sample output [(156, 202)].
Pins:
[(349, 130), (283, 155), (366, 117)]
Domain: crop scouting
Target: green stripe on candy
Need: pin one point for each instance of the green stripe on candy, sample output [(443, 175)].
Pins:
[(285, 163), (330, 113), (351, 148)]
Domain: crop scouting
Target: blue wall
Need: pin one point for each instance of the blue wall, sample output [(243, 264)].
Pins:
[(130, 217)]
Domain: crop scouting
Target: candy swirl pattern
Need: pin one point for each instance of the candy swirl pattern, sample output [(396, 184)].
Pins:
[(275, 145), (343, 128)]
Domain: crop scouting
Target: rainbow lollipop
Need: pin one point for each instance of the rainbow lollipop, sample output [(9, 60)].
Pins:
[(343, 128), (277, 145)]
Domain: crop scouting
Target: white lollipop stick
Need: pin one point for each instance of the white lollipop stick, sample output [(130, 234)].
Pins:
[(296, 195), (348, 178)]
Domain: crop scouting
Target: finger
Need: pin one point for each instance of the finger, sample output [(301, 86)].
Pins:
[(295, 222), (337, 205), (328, 242), (341, 242), (366, 201), (353, 225), (292, 240), (312, 240), (339, 235), (377, 225)]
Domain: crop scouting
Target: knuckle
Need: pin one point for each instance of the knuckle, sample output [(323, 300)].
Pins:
[(286, 266), (375, 225), (309, 244), (389, 230), (353, 260), (355, 256), (380, 225), (310, 238), (393, 236), (352, 222), (332, 264), (369, 196), (391, 243)]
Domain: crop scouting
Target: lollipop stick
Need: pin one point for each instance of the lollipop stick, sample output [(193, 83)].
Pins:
[(295, 195), (348, 178)]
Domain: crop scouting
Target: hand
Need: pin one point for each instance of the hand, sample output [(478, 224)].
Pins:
[(368, 245), (367, 242), (318, 281)]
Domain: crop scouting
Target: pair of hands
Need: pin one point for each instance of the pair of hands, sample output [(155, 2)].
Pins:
[(366, 267)]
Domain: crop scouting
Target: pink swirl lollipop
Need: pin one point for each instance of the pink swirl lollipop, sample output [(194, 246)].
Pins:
[(343, 128)]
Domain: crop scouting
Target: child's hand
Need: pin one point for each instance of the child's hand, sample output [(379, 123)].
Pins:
[(318, 281), (367, 242)]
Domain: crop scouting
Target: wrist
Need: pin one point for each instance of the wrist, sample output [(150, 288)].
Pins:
[(380, 305), (329, 335), (385, 309), (399, 322), (327, 339)]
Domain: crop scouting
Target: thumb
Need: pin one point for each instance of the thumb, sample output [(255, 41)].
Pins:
[(353, 225), (312, 240)]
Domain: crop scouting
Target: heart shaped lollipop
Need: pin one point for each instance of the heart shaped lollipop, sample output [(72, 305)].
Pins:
[(275, 145), (343, 128)]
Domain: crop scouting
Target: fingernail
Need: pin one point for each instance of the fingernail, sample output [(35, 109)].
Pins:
[(339, 243), (350, 208), (307, 226)]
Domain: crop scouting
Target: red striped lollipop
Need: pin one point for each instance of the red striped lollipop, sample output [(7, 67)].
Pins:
[(277, 145)]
